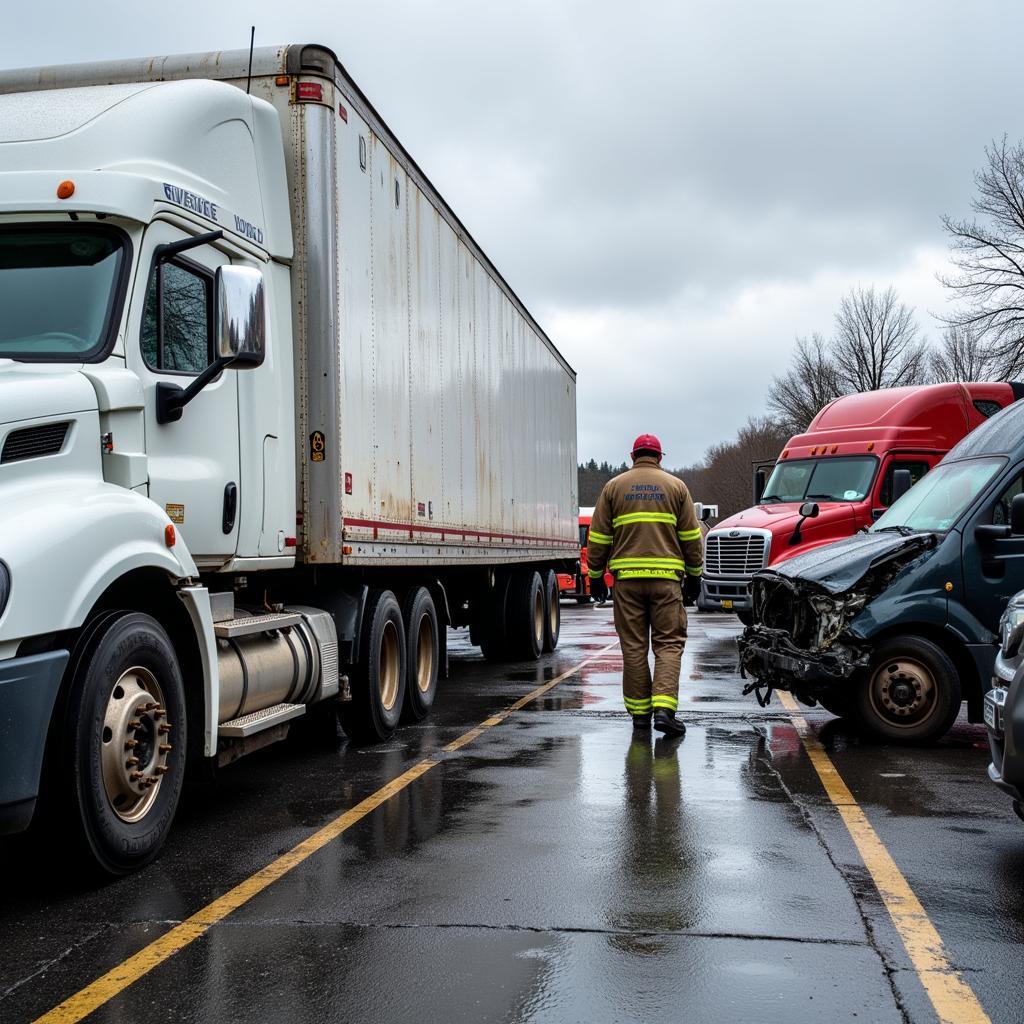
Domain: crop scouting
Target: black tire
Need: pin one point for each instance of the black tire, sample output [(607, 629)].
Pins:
[(746, 616), (585, 599), (910, 692), (491, 630), (552, 612), (423, 652), (378, 682), (838, 703), (125, 737), (524, 615)]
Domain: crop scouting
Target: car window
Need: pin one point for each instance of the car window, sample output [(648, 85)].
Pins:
[(1001, 509), (187, 319), (917, 470)]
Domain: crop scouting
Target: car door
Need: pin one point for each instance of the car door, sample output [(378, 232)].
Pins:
[(993, 567), (193, 462)]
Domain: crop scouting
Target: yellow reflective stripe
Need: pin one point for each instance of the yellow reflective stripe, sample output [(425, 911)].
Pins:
[(642, 705), (595, 575), (695, 570), (643, 517), (660, 700), (640, 563), (688, 535), (647, 574), (599, 538)]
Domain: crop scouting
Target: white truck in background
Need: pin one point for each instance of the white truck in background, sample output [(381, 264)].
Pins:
[(270, 421)]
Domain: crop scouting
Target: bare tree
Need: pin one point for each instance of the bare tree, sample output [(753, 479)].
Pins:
[(988, 252), (962, 356), (811, 382), (876, 344)]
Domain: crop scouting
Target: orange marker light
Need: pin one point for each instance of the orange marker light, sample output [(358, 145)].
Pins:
[(170, 537), (65, 190), (949, 587), (835, 448), (785, 454), (281, 80), (871, 446), (814, 450)]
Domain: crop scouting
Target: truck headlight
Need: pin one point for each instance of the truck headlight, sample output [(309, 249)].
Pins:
[(1011, 629), (5, 586)]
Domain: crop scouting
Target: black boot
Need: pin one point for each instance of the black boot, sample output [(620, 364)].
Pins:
[(666, 722), (641, 722)]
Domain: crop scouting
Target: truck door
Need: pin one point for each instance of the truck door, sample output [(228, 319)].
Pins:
[(194, 462), (993, 568)]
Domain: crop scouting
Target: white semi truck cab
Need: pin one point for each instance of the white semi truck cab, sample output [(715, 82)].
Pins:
[(270, 421)]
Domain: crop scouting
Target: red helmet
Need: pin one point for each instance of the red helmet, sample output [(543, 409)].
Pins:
[(647, 443)]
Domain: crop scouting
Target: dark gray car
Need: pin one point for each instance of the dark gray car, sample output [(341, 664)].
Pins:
[(1004, 706)]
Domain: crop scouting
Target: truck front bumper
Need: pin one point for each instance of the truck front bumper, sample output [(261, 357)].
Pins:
[(725, 594), (28, 689)]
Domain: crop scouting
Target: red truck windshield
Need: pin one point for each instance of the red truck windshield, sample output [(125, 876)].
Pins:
[(846, 478)]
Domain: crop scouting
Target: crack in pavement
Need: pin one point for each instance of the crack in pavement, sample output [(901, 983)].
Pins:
[(43, 968)]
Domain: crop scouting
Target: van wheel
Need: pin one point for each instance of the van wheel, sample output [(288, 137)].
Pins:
[(836, 703), (910, 693), (525, 615), (553, 612), (125, 740), (378, 684), (422, 646), (746, 616)]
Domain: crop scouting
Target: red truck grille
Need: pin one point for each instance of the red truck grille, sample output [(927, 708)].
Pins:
[(734, 556)]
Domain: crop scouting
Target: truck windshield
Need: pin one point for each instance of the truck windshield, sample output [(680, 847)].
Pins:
[(940, 498), (838, 479), (58, 290)]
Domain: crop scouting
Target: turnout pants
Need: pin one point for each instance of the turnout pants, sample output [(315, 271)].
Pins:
[(649, 612)]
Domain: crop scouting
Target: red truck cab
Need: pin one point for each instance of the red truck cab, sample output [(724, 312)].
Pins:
[(578, 585), (845, 464)]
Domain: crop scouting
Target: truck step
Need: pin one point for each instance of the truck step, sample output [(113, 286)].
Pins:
[(248, 624), (239, 728)]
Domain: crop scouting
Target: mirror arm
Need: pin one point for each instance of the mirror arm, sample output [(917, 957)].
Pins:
[(171, 399), (163, 253)]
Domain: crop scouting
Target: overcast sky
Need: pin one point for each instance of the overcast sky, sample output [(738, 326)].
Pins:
[(676, 190)]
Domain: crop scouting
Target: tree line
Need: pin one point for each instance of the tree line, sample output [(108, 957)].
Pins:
[(876, 341)]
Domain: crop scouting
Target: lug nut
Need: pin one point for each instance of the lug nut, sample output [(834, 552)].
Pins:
[(132, 762), (164, 729), (152, 780), (165, 748), (135, 776), (134, 723), (162, 769), (128, 744)]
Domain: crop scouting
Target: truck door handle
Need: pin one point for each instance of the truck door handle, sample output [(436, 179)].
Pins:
[(230, 507)]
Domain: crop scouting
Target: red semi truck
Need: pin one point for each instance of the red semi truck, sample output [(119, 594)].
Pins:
[(577, 584), (846, 464)]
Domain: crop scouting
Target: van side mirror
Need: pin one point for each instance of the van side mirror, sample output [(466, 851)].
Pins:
[(760, 482), (1017, 515), (901, 483), (240, 332)]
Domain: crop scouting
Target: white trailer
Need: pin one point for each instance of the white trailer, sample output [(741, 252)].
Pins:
[(192, 556)]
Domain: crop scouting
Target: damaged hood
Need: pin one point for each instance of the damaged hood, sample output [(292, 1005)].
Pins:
[(838, 567)]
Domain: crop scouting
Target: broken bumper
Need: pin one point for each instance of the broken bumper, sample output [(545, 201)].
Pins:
[(771, 657)]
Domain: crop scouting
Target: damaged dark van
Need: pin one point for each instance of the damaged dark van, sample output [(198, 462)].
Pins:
[(896, 626)]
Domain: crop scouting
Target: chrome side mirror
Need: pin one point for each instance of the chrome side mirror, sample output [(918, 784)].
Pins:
[(241, 317)]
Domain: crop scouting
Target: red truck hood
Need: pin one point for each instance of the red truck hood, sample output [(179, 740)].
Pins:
[(834, 520)]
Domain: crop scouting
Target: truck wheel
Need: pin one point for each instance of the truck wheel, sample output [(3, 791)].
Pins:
[(746, 616), (525, 615), (422, 646), (491, 622), (378, 684), (910, 693), (125, 740), (553, 610)]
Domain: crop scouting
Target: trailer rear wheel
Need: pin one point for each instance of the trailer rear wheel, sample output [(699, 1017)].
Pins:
[(124, 741), (553, 608), (910, 693), (422, 645), (490, 626), (525, 615), (378, 684)]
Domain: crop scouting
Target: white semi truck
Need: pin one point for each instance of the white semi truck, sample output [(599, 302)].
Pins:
[(270, 421)]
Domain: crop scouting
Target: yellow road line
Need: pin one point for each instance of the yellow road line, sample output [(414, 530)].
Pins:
[(115, 981), (953, 999)]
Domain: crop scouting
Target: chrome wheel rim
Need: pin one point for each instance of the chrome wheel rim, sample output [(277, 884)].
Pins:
[(538, 617), (424, 654), (903, 692), (135, 742), (553, 614), (389, 664)]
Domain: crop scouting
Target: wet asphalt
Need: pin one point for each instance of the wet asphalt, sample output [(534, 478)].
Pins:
[(554, 869)]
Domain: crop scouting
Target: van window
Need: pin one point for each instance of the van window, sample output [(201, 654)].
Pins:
[(1001, 509), (188, 319), (917, 470)]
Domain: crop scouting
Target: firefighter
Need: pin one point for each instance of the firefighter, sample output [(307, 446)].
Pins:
[(645, 532)]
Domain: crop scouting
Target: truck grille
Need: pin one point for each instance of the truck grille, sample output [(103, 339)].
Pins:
[(33, 442), (734, 556)]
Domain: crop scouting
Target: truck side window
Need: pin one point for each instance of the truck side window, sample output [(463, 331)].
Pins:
[(188, 318), (917, 470), (986, 407), (1001, 511)]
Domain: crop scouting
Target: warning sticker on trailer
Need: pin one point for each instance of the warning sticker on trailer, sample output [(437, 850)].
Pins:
[(317, 446), (176, 513)]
